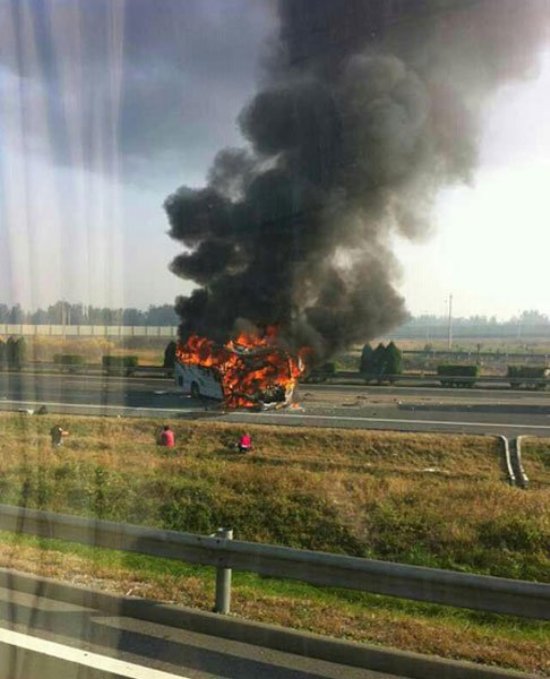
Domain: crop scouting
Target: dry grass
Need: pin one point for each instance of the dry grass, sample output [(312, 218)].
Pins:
[(436, 500), (503, 344), (43, 348), (422, 498), (536, 461)]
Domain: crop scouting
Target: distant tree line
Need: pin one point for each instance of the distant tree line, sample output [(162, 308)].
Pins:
[(64, 313), (527, 324), (531, 317)]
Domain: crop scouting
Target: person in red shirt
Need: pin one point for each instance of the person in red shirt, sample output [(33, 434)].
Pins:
[(245, 443), (167, 438)]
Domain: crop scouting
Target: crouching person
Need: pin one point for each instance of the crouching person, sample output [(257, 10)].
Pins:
[(167, 438), (245, 443), (57, 433)]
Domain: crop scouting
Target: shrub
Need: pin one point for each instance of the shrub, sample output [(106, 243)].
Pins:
[(515, 534), (455, 370), (69, 360), (16, 351), (382, 362), (189, 510), (120, 361), (125, 364), (170, 356), (393, 360), (451, 374), (366, 358)]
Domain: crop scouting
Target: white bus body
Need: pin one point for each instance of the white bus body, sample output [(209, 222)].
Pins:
[(197, 381)]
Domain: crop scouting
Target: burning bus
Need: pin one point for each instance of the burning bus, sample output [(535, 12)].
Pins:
[(251, 371)]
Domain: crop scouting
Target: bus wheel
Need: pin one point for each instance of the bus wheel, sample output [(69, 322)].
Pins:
[(195, 391)]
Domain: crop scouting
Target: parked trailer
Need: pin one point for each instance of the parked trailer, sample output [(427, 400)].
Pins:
[(320, 374), (456, 375), (529, 377)]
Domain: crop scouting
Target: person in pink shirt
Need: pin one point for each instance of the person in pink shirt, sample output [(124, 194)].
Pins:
[(166, 437), (245, 443)]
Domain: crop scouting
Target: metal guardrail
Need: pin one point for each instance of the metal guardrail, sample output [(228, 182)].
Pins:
[(513, 462), (474, 354), (96, 369), (353, 377), (498, 595), (443, 380), (521, 477), (508, 460)]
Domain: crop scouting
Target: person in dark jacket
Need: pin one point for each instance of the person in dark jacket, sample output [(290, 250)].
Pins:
[(56, 434)]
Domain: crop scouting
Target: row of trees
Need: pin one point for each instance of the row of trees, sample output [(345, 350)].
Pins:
[(381, 362), (527, 324), (526, 318), (64, 313)]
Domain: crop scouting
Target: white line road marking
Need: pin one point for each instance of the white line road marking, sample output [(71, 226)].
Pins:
[(390, 420), (81, 657), (99, 406), (282, 415)]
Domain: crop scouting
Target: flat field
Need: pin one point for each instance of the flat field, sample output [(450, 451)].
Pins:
[(504, 345), (424, 499), (150, 350)]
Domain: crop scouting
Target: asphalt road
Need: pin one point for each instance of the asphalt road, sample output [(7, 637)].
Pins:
[(489, 411), (43, 638)]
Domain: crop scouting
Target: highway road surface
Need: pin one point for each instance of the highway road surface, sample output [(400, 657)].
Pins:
[(477, 411), (45, 638)]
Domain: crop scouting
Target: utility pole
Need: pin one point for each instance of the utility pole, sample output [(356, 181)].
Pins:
[(450, 325)]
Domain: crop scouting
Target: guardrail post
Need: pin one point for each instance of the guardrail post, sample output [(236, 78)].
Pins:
[(523, 479), (223, 578)]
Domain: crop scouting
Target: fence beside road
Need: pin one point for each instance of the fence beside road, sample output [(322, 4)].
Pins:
[(51, 330), (340, 377), (486, 593)]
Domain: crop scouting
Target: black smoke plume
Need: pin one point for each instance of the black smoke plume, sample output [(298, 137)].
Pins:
[(369, 107)]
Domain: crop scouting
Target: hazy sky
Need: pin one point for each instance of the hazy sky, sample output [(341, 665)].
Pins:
[(490, 245), (106, 107)]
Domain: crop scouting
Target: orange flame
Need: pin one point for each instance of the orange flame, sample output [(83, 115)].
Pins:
[(254, 370)]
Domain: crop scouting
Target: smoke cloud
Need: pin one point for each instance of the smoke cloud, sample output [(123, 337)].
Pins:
[(368, 108)]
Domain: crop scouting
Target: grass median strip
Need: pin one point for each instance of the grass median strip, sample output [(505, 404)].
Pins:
[(536, 461), (426, 499)]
